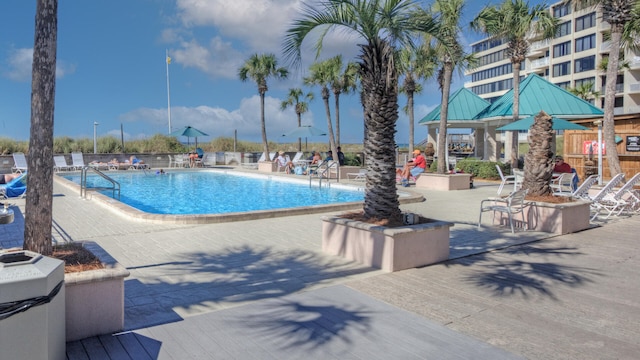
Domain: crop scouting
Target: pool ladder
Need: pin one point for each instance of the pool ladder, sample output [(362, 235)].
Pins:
[(325, 168), (115, 186)]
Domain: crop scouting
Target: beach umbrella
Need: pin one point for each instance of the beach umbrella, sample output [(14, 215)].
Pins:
[(525, 124), (189, 132), (305, 131)]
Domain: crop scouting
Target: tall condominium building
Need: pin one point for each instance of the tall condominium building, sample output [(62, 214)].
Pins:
[(572, 59)]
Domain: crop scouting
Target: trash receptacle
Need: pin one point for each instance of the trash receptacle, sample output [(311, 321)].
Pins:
[(32, 307)]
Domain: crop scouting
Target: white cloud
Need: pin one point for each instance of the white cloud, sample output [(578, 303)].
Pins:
[(218, 59), (217, 121), (21, 60)]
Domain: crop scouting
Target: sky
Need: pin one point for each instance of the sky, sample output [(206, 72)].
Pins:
[(111, 69)]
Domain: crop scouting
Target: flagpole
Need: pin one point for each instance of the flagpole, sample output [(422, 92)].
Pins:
[(168, 95)]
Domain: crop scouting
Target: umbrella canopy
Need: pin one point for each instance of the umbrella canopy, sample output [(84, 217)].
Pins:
[(305, 131), (189, 132), (525, 124)]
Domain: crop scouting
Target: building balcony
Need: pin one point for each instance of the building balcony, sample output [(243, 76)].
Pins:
[(618, 111), (634, 64), (604, 26), (619, 89), (539, 63), (633, 109), (605, 47), (634, 88), (538, 48)]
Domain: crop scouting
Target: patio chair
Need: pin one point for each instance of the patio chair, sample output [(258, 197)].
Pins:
[(60, 164), (511, 205), (359, 176), (604, 199), (562, 184), (77, 160), (506, 180), (16, 188), (582, 192), (20, 163)]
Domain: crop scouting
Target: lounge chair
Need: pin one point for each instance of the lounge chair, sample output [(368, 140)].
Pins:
[(261, 159), (20, 163), (624, 199), (359, 176), (511, 205), (604, 199), (180, 160), (77, 160), (60, 164), (506, 180), (15, 188), (582, 192)]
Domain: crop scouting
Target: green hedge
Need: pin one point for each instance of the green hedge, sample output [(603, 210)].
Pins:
[(479, 168)]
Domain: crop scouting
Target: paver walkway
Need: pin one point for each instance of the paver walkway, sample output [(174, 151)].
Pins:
[(186, 276)]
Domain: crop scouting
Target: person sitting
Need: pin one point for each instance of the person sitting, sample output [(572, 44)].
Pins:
[(6, 178), (414, 167), (340, 156), (192, 158), (316, 160), (283, 162), (329, 156), (561, 166)]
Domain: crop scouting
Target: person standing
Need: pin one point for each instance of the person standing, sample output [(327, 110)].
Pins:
[(340, 156)]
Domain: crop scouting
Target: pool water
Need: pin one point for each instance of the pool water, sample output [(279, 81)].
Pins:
[(213, 192)]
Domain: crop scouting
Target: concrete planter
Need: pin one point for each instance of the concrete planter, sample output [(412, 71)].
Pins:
[(444, 182), (390, 249), (266, 166), (95, 299), (563, 218)]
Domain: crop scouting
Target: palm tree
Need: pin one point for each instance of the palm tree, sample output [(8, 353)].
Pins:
[(296, 99), (382, 26), (619, 14), (538, 163), (39, 200), (259, 67), (345, 81), (585, 91), (451, 56), (321, 74), (415, 65), (513, 20)]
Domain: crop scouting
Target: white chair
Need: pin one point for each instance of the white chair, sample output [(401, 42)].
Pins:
[(562, 184), (582, 192), (359, 176), (77, 160), (518, 179), (180, 160), (60, 163), (511, 205), (19, 163), (604, 199), (622, 199), (506, 180), (281, 166), (171, 162)]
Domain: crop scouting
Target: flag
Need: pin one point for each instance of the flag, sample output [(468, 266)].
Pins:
[(168, 60)]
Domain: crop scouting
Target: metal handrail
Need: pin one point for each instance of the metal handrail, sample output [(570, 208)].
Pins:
[(115, 186), (323, 168)]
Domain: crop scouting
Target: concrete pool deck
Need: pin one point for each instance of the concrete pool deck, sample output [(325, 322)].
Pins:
[(263, 289)]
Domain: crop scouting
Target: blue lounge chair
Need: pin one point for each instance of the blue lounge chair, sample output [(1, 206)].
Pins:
[(14, 188)]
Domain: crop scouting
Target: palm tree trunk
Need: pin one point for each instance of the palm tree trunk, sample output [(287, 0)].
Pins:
[(299, 124), (444, 110), (265, 144), (511, 137), (332, 141), (411, 121), (337, 106), (609, 101), (39, 200), (380, 102), (539, 160)]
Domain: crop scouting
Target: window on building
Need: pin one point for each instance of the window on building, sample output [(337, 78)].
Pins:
[(585, 64), (564, 29), (562, 69), (562, 10), (564, 85), (586, 42), (492, 58), (585, 22), (618, 102), (585, 81), (562, 49)]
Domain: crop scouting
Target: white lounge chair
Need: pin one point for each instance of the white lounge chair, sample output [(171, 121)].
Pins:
[(60, 164), (604, 199), (359, 176), (511, 205), (77, 160), (20, 163), (621, 200), (506, 180), (582, 192)]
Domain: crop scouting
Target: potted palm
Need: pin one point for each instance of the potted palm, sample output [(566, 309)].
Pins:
[(383, 25)]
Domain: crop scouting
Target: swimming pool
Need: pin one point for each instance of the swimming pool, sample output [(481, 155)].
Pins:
[(217, 192)]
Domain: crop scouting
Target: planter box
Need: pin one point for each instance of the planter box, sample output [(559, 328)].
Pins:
[(390, 249), (95, 299), (563, 218), (444, 182), (267, 166)]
